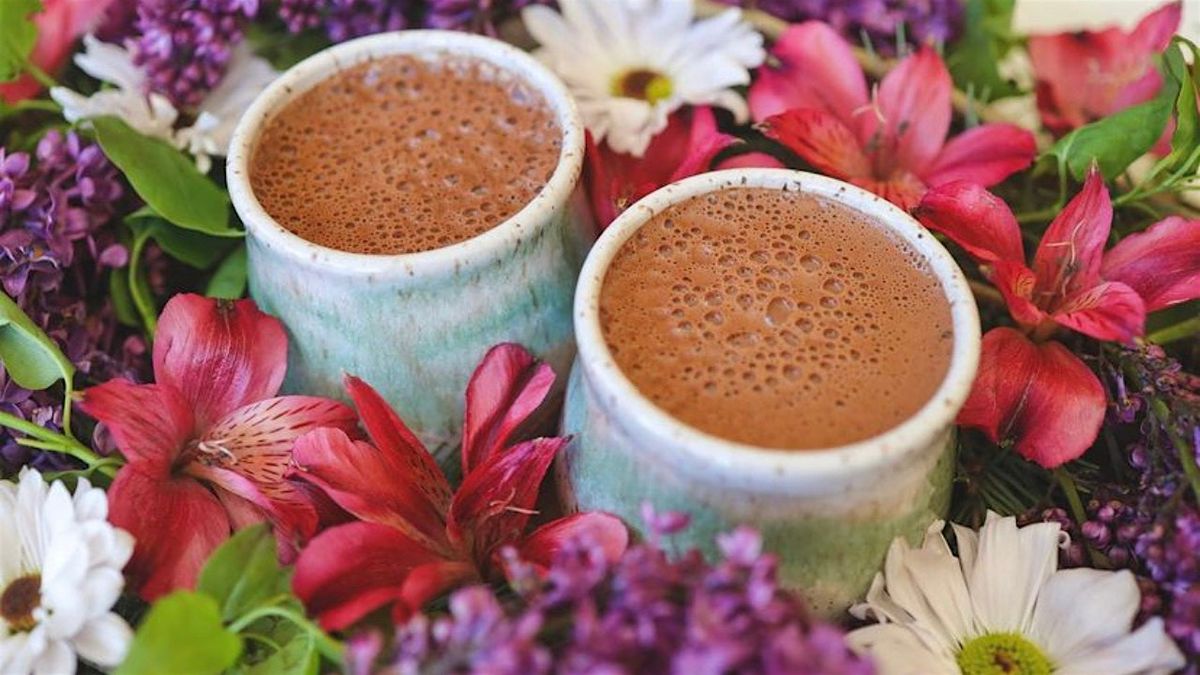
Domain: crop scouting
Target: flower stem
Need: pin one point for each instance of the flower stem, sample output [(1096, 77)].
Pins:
[(45, 439), (1077, 511), (330, 648), (1178, 331), (1187, 454)]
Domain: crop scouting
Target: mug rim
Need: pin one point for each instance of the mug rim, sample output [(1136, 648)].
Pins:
[(709, 457), (487, 246)]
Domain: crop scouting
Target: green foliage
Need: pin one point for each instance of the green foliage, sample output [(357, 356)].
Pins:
[(1116, 141), (31, 358), (17, 36), (986, 37), (283, 49), (229, 281), (183, 635), (167, 180), (243, 573)]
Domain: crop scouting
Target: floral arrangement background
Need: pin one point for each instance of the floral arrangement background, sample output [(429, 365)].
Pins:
[(133, 405)]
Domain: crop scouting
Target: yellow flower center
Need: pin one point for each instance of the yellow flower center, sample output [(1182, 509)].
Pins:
[(19, 599), (643, 84), (1003, 654)]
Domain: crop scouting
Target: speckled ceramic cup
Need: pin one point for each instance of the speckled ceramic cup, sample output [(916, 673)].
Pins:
[(415, 325), (829, 514)]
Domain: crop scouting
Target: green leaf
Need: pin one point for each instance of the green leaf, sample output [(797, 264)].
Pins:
[(118, 292), (297, 653), (193, 248), (139, 285), (1117, 140), (1186, 139), (182, 634), (167, 180), (31, 358), (229, 281), (18, 34), (244, 572), (973, 57)]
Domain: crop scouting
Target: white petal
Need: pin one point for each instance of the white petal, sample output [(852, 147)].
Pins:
[(1010, 568), (90, 503), (967, 542), (896, 651), (104, 640), (948, 599), (908, 585), (1079, 610), (57, 659), (101, 591), (110, 63), (17, 653), (1147, 651)]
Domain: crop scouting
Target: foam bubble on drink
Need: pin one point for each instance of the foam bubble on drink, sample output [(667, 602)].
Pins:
[(405, 154), (777, 319)]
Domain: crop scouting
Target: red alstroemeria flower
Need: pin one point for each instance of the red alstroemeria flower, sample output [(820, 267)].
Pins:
[(686, 147), (1031, 389), (415, 539), (812, 97), (1082, 77), (208, 444)]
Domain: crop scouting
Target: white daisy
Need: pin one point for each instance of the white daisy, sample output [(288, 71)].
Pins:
[(630, 63), (60, 573), (1003, 607), (152, 114)]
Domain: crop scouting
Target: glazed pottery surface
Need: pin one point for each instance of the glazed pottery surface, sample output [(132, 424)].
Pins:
[(829, 514), (415, 325)]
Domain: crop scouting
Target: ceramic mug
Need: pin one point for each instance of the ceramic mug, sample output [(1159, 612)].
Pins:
[(829, 514), (415, 325)]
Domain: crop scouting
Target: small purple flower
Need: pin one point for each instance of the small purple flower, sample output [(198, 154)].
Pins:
[(476, 16), (342, 20)]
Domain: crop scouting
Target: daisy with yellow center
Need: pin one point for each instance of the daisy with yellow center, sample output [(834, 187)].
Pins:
[(1002, 607), (631, 63)]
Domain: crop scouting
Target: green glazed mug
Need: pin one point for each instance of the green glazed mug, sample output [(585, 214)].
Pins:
[(415, 325), (829, 514)]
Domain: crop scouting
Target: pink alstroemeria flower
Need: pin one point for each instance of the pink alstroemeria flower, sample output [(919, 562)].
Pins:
[(1082, 77), (208, 444), (1031, 389), (686, 147), (812, 97), (59, 24), (415, 538)]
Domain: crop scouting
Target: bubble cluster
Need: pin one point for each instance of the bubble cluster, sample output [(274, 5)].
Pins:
[(777, 319), (403, 154)]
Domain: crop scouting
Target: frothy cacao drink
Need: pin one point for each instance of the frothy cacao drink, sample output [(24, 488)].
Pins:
[(776, 319), (403, 154)]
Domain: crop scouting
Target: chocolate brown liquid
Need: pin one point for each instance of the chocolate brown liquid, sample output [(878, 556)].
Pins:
[(402, 154), (776, 319)]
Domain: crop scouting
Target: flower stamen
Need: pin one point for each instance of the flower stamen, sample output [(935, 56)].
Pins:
[(19, 600), (1003, 654), (643, 84)]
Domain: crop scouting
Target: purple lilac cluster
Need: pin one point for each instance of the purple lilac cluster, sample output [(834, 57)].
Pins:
[(1150, 524), (55, 248), (345, 19), (646, 612), (184, 46), (877, 21)]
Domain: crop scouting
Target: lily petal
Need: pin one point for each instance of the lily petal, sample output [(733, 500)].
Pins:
[(1017, 284), (811, 66), (914, 102), (505, 389), (820, 139), (379, 487), (602, 529), (1068, 258), (973, 218), (176, 523), (984, 155), (1162, 264), (1106, 311), (350, 570), (1041, 396), (150, 423), (495, 501), (220, 355), (427, 582)]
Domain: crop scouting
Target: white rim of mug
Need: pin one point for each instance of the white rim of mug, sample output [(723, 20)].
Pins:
[(729, 463), (486, 247)]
